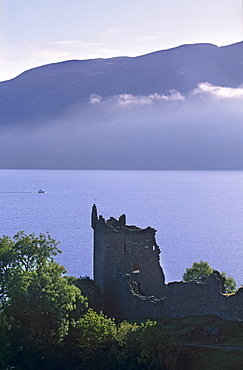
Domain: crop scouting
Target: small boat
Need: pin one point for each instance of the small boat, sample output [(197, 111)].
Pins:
[(41, 191)]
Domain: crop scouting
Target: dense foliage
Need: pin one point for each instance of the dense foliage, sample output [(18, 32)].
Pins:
[(90, 290), (203, 269), (45, 322)]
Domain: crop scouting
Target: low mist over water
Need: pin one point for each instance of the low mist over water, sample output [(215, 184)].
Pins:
[(200, 130)]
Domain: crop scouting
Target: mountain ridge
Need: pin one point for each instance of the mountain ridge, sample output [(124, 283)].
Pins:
[(28, 95), (114, 58), (174, 109)]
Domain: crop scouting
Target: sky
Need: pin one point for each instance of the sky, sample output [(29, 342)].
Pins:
[(38, 32)]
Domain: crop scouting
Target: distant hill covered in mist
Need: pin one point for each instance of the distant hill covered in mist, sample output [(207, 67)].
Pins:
[(172, 109)]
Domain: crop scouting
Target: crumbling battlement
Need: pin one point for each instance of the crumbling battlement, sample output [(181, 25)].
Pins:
[(127, 269), (129, 249), (181, 299)]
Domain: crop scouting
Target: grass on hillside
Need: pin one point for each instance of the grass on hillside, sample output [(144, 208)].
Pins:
[(207, 330), (210, 330)]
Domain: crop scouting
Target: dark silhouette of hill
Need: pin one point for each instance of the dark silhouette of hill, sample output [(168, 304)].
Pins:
[(172, 109), (48, 90)]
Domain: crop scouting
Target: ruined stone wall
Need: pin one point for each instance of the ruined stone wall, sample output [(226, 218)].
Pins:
[(119, 247), (135, 252), (127, 269), (99, 260), (181, 299)]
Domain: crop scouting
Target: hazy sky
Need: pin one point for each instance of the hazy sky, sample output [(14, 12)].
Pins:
[(37, 32)]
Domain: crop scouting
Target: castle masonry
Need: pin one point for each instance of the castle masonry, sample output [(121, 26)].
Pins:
[(120, 248), (127, 270)]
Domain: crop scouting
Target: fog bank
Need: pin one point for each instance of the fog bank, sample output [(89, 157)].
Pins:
[(200, 130)]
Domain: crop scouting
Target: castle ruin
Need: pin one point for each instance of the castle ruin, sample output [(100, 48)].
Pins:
[(127, 270)]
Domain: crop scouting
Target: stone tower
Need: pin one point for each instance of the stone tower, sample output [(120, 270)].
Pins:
[(123, 249)]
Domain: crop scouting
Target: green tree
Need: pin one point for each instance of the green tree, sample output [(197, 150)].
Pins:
[(37, 302), (23, 254), (96, 342), (92, 291), (90, 342), (124, 329), (158, 349), (95, 330), (230, 283), (148, 346), (197, 271), (203, 269)]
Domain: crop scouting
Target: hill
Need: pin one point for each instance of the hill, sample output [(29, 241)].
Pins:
[(171, 109), (49, 89)]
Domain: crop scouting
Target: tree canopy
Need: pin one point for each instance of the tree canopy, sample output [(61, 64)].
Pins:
[(203, 269), (45, 322), (37, 303), (197, 271)]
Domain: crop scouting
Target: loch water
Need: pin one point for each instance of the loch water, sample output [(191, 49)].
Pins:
[(197, 214)]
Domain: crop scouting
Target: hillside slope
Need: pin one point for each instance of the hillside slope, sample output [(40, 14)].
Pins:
[(48, 90), (173, 109)]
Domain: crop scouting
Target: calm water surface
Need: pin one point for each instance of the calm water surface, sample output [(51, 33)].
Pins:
[(197, 214)]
